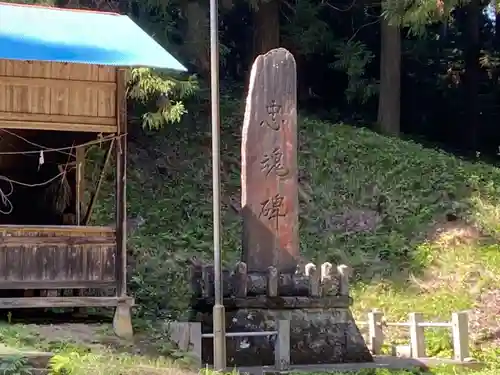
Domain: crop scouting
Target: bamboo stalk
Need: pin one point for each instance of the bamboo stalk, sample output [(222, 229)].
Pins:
[(99, 183)]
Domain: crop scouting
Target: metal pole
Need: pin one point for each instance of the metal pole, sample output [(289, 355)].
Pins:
[(219, 321)]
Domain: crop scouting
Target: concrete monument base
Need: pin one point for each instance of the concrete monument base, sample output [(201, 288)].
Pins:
[(318, 336)]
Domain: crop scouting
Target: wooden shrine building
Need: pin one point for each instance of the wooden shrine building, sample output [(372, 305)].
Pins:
[(62, 90)]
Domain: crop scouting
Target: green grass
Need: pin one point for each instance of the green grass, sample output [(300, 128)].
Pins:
[(79, 351), (401, 266), (437, 371)]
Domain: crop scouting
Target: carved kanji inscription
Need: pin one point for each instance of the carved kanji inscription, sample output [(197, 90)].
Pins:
[(272, 162), (273, 208), (273, 122), (269, 165)]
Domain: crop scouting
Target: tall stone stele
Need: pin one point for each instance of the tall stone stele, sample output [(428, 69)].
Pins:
[(270, 282), (269, 179)]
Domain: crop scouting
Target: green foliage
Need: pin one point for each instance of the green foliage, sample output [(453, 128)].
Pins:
[(159, 18), (439, 343), (353, 57), (418, 14), (14, 365), (61, 364), (167, 92), (73, 363), (79, 352), (306, 31)]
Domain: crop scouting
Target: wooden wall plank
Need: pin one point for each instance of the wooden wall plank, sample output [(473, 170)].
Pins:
[(107, 74), (9, 70), (56, 83), (3, 265), (20, 93), (40, 96), (13, 263), (106, 100), (58, 126), (82, 101), (47, 258), (72, 262), (59, 103), (12, 231), (94, 257), (108, 263), (59, 97), (3, 89), (59, 89), (42, 117), (57, 263), (106, 104)]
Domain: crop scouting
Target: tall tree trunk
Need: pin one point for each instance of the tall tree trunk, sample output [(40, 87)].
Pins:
[(266, 32), (471, 76), (266, 27), (390, 79), (196, 30), (497, 23)]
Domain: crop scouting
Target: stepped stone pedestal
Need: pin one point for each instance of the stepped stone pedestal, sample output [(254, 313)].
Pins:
[(322, 328)]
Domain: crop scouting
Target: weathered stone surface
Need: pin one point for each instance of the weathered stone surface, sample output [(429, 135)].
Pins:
[(269, 179), (280, 303), (317, 336)]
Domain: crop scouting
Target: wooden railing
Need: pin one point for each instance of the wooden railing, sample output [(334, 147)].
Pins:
[(459, 326)]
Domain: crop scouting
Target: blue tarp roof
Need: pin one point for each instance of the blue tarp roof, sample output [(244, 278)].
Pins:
[(50, 34)]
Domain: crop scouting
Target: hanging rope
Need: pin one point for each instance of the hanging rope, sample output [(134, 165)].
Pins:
[(7, 206), (4, 197)]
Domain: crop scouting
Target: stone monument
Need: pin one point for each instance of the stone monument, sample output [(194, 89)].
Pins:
[(271, 282), (269, 185)]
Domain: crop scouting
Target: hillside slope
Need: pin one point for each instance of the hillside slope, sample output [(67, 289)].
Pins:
[(419, 226)]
